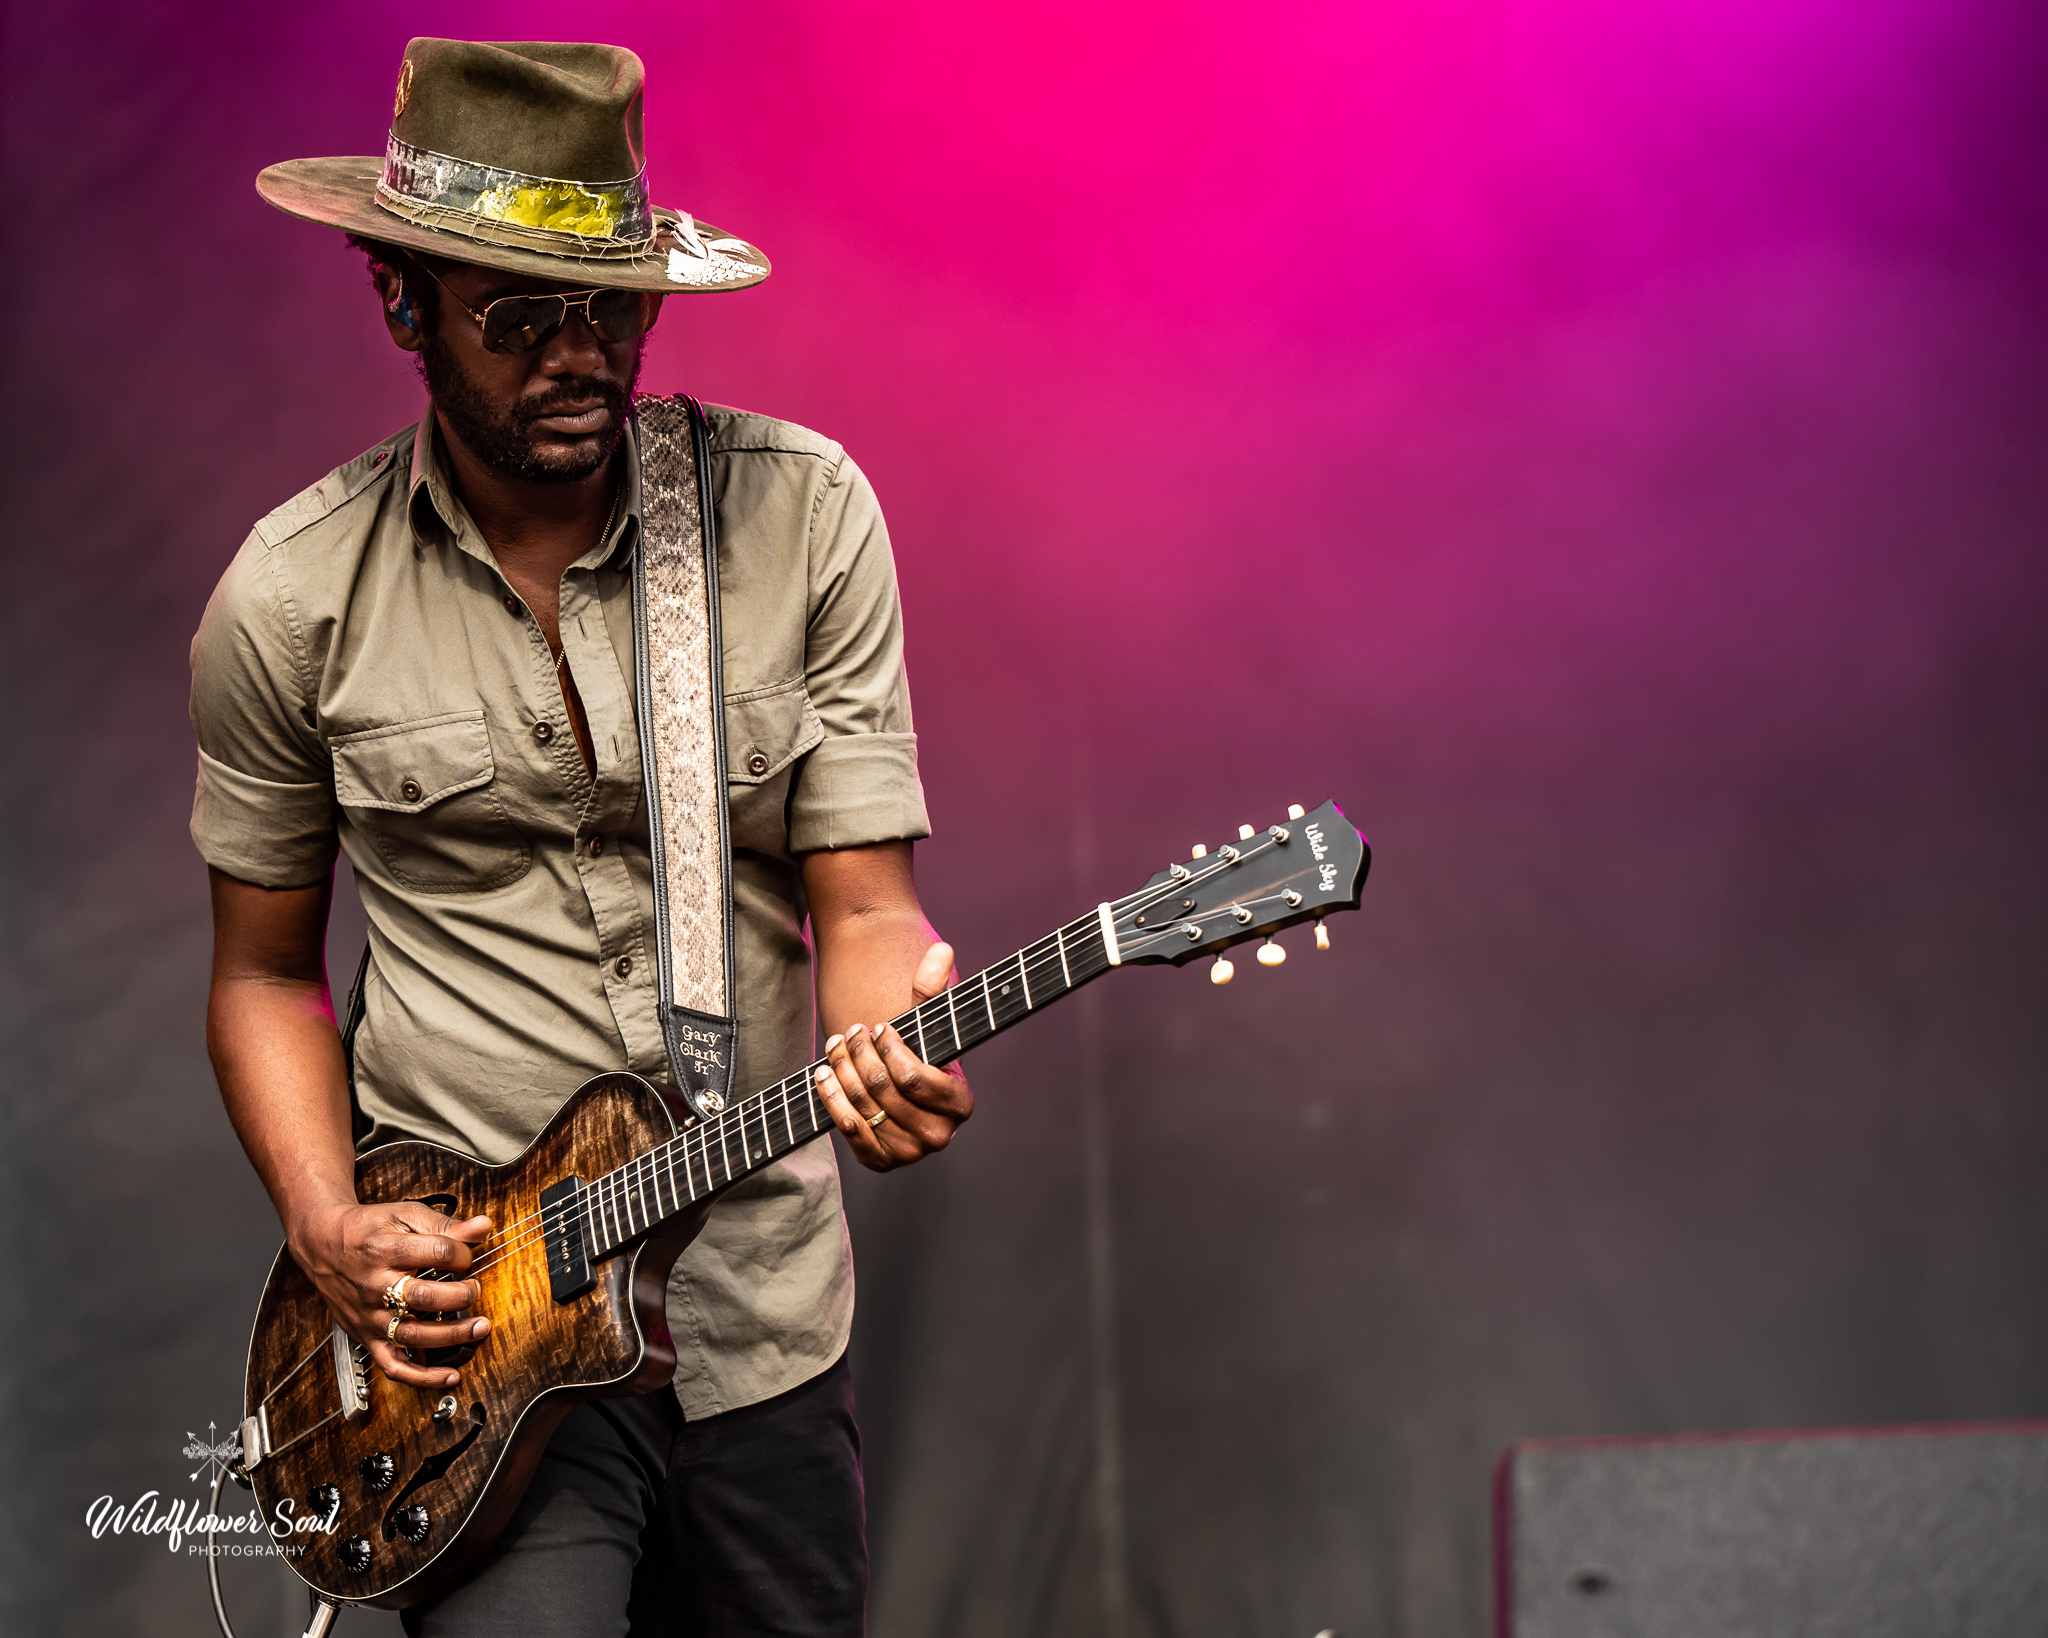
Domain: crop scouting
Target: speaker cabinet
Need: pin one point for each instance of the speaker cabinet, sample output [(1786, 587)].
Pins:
[(1924, 1531)]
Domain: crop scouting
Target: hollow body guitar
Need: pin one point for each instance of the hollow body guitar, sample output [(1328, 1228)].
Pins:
[(389, 1494)]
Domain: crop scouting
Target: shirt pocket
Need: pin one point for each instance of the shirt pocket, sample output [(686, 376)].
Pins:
[(767, 730), (424, 792)]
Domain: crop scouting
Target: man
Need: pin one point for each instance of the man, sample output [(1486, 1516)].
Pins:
[(427, 661)]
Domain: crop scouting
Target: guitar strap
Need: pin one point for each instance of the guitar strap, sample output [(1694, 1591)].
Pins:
[(678, 662)]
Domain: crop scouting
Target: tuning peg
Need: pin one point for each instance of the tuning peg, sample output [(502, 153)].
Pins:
[(1296, 811), (1245, 833), (1271, 954), (1201, 851), (1222, 972), (1322, 935)]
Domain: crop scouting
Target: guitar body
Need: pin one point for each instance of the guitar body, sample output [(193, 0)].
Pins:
[(468, 1466)]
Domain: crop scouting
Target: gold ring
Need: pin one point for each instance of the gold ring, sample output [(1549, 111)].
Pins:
[(391, 1330), (878, 1117), (394, 1293)]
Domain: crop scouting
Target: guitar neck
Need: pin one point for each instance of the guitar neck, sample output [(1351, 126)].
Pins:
[(759, 1130)]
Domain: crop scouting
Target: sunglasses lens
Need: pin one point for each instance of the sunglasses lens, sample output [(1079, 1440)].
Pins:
[(620, 315), (517, 324)]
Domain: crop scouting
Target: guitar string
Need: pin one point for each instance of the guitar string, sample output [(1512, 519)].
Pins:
[(641, 1170), (535, 1226), (695, 1144), (623, 1192), (612, 1192), (294, 1371)]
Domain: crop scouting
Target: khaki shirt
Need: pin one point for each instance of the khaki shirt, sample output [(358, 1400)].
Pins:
[(365, 676)]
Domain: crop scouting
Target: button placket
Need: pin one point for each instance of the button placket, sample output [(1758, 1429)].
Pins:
[(603, 677)]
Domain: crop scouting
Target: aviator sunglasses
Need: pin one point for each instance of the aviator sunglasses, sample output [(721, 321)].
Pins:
[(518, 324)]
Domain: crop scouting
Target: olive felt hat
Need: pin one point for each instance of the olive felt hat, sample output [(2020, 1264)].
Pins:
[(526, 157)]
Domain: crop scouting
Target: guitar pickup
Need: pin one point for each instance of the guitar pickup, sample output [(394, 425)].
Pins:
[(562, 1219)]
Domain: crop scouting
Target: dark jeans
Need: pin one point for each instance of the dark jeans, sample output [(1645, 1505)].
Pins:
[(640, 1523)]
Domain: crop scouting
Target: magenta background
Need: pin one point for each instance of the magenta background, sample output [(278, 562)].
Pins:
[(1600, 445)]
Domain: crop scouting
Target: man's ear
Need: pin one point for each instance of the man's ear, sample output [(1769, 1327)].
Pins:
[(401, 316)]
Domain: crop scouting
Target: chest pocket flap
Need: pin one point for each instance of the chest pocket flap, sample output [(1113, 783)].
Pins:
[(409, 768), (766, 729)]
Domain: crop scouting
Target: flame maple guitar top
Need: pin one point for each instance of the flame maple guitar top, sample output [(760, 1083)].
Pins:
[(467, 1467)]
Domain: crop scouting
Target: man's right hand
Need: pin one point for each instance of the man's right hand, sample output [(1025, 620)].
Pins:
[(270, 1029), (354, 1254)]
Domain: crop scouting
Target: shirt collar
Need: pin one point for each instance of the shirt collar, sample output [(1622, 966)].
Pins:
[(437, 513)]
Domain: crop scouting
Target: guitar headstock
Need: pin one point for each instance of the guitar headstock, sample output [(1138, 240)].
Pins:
[(1298, 870)]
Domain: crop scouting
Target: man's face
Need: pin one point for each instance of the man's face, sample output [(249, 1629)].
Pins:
[(551, 415)]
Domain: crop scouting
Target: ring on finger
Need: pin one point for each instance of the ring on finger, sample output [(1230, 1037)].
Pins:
[(394, 1293), (876, 1119), (391, 1330)]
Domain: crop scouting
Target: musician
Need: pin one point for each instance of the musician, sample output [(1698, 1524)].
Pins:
[(426, 661)]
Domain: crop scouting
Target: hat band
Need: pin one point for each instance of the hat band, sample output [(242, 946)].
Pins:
[(501, 207)]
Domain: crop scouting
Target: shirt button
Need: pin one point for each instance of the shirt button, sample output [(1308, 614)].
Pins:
[(543, 731), (624, 967), (757, 764), (410, 790), (512, 606), (596, 846)]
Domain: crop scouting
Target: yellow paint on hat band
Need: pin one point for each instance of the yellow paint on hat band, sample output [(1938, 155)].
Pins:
[(487, 201), (560, 207)]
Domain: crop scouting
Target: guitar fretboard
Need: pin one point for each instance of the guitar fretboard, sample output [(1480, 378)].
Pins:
[(759, 1130)]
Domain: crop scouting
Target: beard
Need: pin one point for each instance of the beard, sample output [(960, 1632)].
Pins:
[(503, 440)]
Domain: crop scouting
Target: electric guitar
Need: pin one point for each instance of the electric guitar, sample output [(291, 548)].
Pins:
[(390, 1493)]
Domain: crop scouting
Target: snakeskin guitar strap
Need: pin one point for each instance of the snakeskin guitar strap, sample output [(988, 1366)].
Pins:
[(678, 661)]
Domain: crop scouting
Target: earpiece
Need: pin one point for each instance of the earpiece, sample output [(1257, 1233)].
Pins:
[(403, 311)]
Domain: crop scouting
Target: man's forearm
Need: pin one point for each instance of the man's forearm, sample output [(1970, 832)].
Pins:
[(870, 932), (278, 1060), (865, 968)]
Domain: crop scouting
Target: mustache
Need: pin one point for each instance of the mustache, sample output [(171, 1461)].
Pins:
[(567, 397)]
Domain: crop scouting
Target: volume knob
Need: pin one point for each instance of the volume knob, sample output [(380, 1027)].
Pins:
[(379, 1471), (355, 1553), (414, 1522)]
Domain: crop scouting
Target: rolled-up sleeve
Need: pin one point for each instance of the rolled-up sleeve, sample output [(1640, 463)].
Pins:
[(859, 785), (263, 810)]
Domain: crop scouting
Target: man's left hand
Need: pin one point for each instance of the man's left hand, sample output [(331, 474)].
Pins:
[(871, 1072)]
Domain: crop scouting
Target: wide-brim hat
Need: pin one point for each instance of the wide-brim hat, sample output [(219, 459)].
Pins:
[(527, 157)]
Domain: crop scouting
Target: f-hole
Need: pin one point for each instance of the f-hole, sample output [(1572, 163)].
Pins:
[(434, 1466)]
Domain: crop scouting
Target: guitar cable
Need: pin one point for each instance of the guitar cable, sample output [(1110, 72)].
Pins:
[(323, 1612)]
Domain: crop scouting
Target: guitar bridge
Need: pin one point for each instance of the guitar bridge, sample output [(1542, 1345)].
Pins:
[(562, 1219), (351, 1374)]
